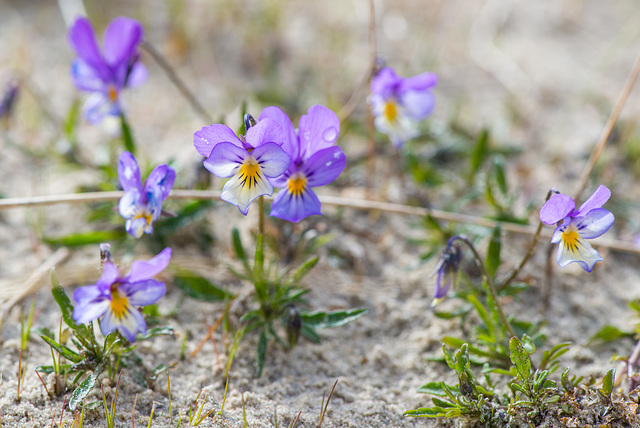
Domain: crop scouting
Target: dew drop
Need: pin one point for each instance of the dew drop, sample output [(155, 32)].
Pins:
[(330, 134), (128, 173)]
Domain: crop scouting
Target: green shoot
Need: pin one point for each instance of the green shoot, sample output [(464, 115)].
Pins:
[(110, 413), (25, 331), (324, 406), (169, 394), (153, 408)]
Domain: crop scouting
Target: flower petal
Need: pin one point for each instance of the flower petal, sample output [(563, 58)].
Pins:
[(136, 226), (420, 82), (579, 251), (324, 166), (206, 138), (137, 75), (290, 145), (129, 172), (143, 270), (91, 304), (317, 130), (272, 159), (98, 106), (86, 78), (294, 208), (143, 293), (595, 223), (264, 132), (556, 208), (121, 40), (83, 40), (385, 82), (596, 200), (225, 159), (418, 104), (129, 204), (109, 275), (129, 324), (402, 129), (160, 181), (240, 192)]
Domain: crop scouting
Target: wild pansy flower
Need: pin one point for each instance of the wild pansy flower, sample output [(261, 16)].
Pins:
[(115, 299), (106, 73), (574, 226), (142, 205), (315, 161), (249, 160), (447, 271), (399, 103)]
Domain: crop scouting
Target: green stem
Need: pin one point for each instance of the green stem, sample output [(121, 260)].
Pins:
[(261, 218), (490, 284)]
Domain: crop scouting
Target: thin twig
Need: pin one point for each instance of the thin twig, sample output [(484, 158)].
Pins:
[(608, 128), (209, 333), (164, 64)]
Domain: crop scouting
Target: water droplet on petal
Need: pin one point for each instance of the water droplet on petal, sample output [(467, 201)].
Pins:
[(306, 135), (128, 173), (330, 134)]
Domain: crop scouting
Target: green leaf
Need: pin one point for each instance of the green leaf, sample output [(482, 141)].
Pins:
[(261, 354), (127, 137), (62, 300), (238, 248), (64, 368), (520, 358), (426, 412), (157, 331), (79, 239), (528, 344), (197, 287), (332, 319), (433, 388), (441, 403), (607, 385), (83, 390), (493, 252), (609, 333), (479, 153), (303, 270), (161, 368), (62, 350), (454, 342), (310, 334)]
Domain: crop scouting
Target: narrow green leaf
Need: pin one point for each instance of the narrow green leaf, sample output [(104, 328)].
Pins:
[(237, 246), (499, 174), (479, 153), (161, 368), (83, 390), (62, 350), (303, 270), (441, 403), (493, 252), (433, 388), (310, 334), (62, 300), (520, 358), (426, 412), (332, 319), (609, 333), (87, 238), (198, 287), (258, 262), (127, 136), (261, 354), (157, 331)]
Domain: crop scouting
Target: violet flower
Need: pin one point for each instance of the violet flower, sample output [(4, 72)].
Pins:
[(399, 103), (9, 99), (115, 299), (447, 271), (106, 73), (574, 226), (315, 161), (249, 160), (142, 205)]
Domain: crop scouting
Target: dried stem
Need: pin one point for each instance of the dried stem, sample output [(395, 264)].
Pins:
[(608, 128)]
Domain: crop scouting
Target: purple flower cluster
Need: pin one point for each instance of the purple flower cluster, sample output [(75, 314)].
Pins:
[(274, 154), (114, 298), (573, 226), (399, 103), (106, 73)]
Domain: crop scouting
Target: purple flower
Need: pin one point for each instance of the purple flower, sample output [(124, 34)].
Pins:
[(142, 205), (249, 160), (106, 73), (315, 161), (447, 270), (399, 103), (8, 99), (574, 226), (115, 298)]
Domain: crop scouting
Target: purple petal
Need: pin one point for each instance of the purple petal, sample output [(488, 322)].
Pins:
[(136, 226), (272, 159), (129, 173), (264, 132), (142, 270), (91, 303), (596, 200), (129, 324), (83, 40), (205, 139), (556, 208), (317, 130), (294, 208), (290, 144), (98, 106), (109, 275), (161, 181), (137, 76), (86, 78), (595, 223), (385, 82), (121, 39), (418, 104), (143, 293), (420, 82), (225, 159), (324, 166), (129, 204)]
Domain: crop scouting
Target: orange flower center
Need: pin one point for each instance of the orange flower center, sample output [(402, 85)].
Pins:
[(119, 303), (571, 237), (250, 172), (297, 185), (390, 111)]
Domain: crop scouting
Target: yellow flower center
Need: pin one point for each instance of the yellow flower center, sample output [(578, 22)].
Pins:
[(390, 111), (297, 185), (249, 172), (145, 215), (119, 303), (113, 93), (571, 237)]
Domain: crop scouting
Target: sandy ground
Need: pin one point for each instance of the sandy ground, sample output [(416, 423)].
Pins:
[(543, 76)]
